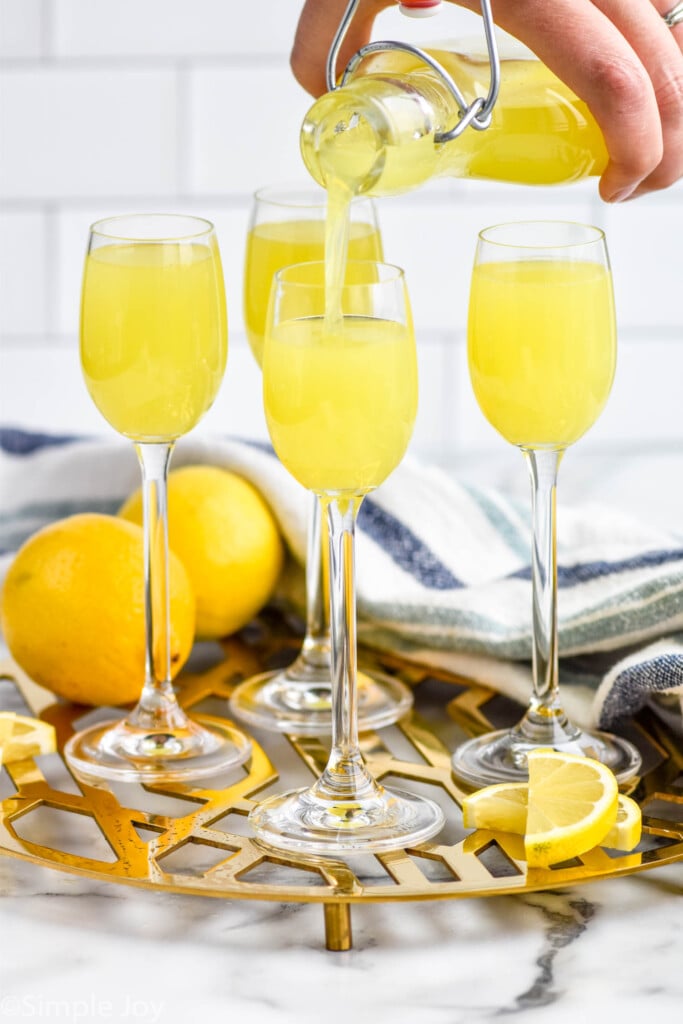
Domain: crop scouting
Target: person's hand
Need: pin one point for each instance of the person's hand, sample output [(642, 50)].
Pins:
[(626, 63), (318, 23), (618, 55)]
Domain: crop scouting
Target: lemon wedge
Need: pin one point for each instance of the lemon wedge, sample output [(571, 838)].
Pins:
[(572, 806), (22, 737), (626, 832), (503, 808)]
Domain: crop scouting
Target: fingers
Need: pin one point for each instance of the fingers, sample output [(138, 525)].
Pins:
[(583, 46), (626, 63), (659, 49), (318, 23), (663, 7)]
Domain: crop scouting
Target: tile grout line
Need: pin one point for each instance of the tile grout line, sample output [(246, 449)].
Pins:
[(132, 62), (183, 128), (46, 31), (451, 341), (51, 267)]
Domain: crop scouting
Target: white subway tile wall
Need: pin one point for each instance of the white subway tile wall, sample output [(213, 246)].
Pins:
[(21, 28), (23, 272), (75, 132), (112, 106)]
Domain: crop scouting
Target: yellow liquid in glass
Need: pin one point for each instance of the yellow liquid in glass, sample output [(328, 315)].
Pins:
[(340, 404), (542, 348), (153, 335), (271, 246)]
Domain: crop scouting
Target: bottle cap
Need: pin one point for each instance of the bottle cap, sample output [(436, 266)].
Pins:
[(419, 8)]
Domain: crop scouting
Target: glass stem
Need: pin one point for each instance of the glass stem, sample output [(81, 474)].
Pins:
[(345, 776), (158, 709), (316, 645), (545, 710)]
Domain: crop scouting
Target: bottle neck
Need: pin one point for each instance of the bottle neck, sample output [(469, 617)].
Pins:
[(377, 134)]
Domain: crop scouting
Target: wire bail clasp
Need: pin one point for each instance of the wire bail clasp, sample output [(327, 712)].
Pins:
[(477, 114)]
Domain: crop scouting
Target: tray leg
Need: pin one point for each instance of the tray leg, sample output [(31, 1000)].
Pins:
[(338, 926)]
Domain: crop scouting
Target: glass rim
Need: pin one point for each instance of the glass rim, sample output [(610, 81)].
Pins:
[(308, 192), (96, 228), (280, 276), (596, 235)]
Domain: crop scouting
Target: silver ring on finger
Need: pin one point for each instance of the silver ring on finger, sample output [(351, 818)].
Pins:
[(675, 15)]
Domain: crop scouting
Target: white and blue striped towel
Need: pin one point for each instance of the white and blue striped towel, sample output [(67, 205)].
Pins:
[(443, 569)]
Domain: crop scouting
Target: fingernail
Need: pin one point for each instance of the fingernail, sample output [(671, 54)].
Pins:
[(620, 197)]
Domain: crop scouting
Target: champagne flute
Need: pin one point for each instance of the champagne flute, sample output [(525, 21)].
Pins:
[(340, 394), (153, 353), (287, 226), (542, 355)]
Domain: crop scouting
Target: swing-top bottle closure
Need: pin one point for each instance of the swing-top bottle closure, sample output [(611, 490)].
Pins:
[(477, 114)]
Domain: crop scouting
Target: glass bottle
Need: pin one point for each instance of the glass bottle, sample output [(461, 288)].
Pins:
[(379, 133)]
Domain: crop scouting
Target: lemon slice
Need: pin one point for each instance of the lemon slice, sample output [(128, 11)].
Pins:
[(573, 804), (626, 832), (502, 807), (22, 737)]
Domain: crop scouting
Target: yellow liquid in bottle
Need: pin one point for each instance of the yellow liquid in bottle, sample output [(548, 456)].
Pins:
[(340, 404), (379, 130), (541, 348), (540, 133), (153, 336), (271, 246)]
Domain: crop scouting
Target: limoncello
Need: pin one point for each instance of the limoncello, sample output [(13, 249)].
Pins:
[(377, 133), (541, 347), (277, 244), (340, 400), (153, 335)]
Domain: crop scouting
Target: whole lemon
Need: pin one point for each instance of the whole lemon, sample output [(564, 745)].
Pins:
[(228, 540), (73, 609)]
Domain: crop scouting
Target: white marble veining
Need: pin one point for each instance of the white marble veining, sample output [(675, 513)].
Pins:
[(84, 951)]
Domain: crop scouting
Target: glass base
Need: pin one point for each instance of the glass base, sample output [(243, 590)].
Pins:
[(303, 822), (120, 752), (298, 700), (502, 756)]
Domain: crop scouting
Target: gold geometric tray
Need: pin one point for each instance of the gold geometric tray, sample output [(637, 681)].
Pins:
[(183, 839)]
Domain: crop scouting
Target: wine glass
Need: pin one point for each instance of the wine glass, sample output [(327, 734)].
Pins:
[(287, 226), (153, 353), (340, 394), (542, 355)]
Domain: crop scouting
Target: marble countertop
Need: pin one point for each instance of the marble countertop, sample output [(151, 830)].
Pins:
[(75, 950), (78, 950)]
